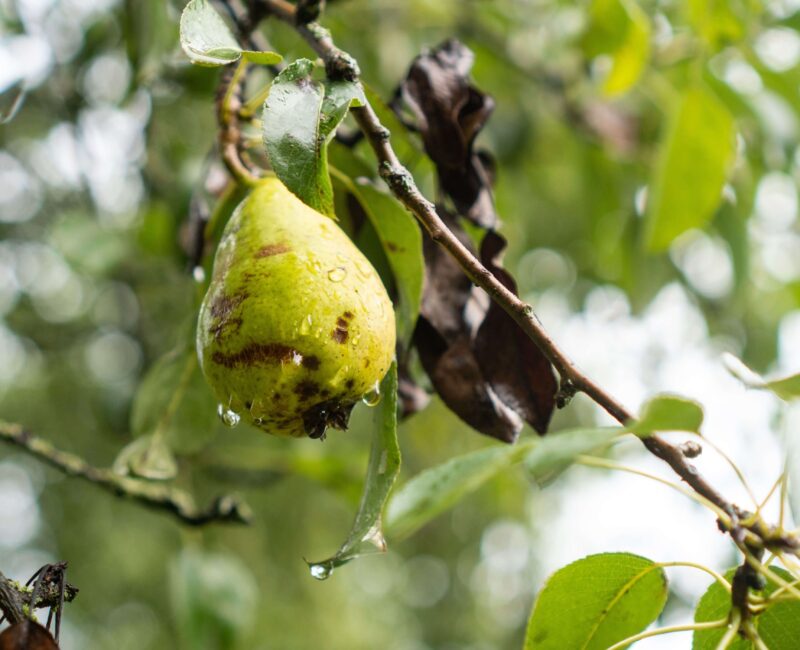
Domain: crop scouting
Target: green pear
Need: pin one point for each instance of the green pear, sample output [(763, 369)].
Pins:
[(296, 326)]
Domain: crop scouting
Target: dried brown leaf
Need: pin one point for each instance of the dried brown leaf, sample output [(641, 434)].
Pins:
[(449, 113)]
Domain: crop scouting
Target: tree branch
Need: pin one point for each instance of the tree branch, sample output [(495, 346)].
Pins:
[(340, 65), (16, 598), (225, 508)]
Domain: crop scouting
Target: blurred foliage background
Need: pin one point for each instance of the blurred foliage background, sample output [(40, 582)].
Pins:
[(97, 172)]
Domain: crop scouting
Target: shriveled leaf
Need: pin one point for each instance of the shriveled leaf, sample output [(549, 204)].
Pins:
[(147, 457), (300, 118), (512, 363), (402, 242), (10, 100), (173, 402), (696, 151), (207, 40), (447, 289), (27, 635), (668, 413), (449, 113), (459, 381), (366, 534), (556, 452), (434, 490), (778, 625), (597, 601), (444, 341)]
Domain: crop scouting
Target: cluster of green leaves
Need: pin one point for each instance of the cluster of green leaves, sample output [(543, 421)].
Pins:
[(607, 600)]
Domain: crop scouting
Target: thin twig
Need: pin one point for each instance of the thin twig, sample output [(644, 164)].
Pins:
[(341, 65), (15, 597), (226, 508)]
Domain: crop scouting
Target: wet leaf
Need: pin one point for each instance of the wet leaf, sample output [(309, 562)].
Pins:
[(695, 154), (512, 363), (449, 114), (597, 601), (207, 40), (366, 534), (436, 489), (300, 119), (27, 635)]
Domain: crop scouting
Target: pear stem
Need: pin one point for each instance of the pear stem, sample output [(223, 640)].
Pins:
[(229, 104)]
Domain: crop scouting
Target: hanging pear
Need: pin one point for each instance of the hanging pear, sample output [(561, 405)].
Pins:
[(296, 326)]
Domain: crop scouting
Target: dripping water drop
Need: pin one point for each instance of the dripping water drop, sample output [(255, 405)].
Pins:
[(229, 418), (321, 571), (337, 274), (373, 396)]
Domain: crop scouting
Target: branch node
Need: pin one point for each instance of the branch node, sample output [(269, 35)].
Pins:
[(691, 448), (339, 65), (308, 11), (566, 391)]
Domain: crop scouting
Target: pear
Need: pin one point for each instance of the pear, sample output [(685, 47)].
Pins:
[(296, 325)]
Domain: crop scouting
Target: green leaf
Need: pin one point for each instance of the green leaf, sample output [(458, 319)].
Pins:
[(174, 403), (715, 22), (207, 40), (146, 457), (434, 490), (262, 58), (366, 535), (205, 37), (596, 602), (555, 452), (401, 240), (668, 413), (695, 154), (787, 388), (10, 100), (778, 625), (300, 119), (620, 29), (214, 599)]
